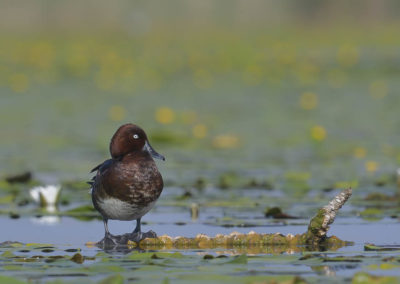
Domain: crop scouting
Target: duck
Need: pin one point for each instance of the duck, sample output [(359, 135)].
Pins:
[(127, 186)]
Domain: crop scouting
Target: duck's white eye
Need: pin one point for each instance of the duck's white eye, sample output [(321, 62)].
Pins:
[(135, 136)]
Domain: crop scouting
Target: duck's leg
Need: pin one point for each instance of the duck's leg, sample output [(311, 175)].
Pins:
[(138, 226), (108, 239), (107, 232), (137, 234)]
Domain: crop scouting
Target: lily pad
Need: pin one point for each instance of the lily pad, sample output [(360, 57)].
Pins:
[(372, 247), (11, 280)]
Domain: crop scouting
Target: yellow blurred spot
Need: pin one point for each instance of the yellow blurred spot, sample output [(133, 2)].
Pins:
[(308, 100), (371, 166), (318, 133), (252, 75), (378, 89), (347, 55), (165, 115), (42, 55), (226, 141), (360, 152), (203, 79), (117, 113), (19, 82), (199, 131)]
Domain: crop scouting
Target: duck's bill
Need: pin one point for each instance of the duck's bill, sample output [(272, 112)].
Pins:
[(153, 152)]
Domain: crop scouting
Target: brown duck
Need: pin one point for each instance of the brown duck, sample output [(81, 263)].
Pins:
[(127, 186)]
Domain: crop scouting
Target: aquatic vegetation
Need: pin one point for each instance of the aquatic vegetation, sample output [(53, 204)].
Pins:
[(276, 212), (19, 178), (20, 262), (278, 118), (372, 247)]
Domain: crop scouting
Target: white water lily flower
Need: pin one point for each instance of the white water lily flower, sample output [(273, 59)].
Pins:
[(46, 196)]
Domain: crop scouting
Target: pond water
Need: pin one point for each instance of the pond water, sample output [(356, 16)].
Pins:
[(56, 239), (69, 231), (243, 127)]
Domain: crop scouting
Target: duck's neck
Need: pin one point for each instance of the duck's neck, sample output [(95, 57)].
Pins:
[(139, 154)]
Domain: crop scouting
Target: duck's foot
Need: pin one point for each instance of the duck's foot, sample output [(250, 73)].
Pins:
[(108, 241), (137, 237)]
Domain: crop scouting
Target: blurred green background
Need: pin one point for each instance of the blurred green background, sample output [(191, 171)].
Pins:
[(264, 89)]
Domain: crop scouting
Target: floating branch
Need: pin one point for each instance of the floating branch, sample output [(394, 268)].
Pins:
[(266, 242), (314, 238)]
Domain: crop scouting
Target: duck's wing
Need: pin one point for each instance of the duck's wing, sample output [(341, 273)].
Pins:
[(100, 169), (102, 166)]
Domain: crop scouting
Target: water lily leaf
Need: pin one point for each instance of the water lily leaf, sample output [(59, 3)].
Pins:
[(341, 259), (72, 250), (16, 244), (101, 254), (7, 199), (150, 255), (240, 259), (10, 280), (39, 246), (372, 247), (78, 185), (364, 278), (12, 267), (106, 268), (114, 279), (206, 278), (83, 213), (383, 266), (371, 212), (7, 254)]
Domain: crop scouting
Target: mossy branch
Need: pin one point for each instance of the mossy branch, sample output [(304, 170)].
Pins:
[(314, 238), (319, 224)]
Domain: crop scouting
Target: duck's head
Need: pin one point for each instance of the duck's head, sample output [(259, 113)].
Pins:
[(131, 138)]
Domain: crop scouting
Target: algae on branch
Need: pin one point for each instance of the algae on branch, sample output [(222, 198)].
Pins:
[(313, 238), (319, 224)]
